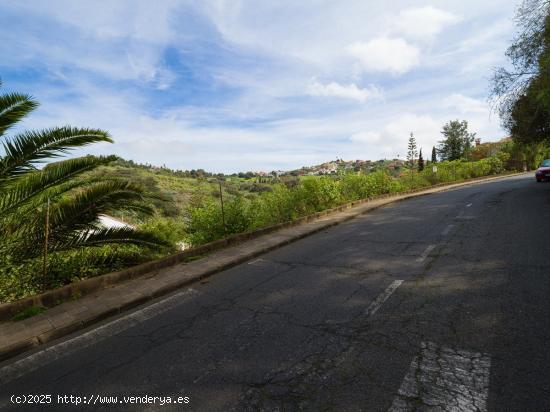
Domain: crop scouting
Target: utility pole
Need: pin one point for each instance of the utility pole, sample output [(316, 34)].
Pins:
[(46, 235), (223, 212)]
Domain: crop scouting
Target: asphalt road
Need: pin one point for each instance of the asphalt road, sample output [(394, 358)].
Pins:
[(441, 302)]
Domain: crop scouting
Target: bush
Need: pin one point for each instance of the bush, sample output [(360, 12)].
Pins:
[(301, 197), (19, 279), (274, 207), (23, 278), (205, 222), (170, 230), (496, 165), (315, 194), (362, 186), (412, 180)]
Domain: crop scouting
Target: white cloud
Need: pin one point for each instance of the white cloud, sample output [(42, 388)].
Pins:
[(350, 91), (420, 125), (485, 38), (176, 139), (423, 22), (105, 19), (390, 141), (265, 54), (384, 54), (121, 40), (366, 137), (425, 128), (465, 105)]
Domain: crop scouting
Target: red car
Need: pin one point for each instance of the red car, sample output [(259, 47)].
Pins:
[(543, 172)]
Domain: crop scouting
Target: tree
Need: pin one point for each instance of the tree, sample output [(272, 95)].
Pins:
[(412, 153), (420, 161), (74, 203), (457, 141), (434, 155), (529, 121), (523, 92), (529, 55)]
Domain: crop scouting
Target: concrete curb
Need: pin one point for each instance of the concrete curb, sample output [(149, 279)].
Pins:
[(113, 293)]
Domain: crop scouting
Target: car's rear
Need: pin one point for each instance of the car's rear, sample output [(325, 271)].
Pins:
[(543, 172)]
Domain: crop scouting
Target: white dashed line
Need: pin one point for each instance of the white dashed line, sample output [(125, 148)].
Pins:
[(375, 305), (425, 254), (62, 349), (444, 379), (258, 262), (447, 230), (468, 205)]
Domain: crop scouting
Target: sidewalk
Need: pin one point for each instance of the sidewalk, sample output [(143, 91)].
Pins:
[(68, 317)]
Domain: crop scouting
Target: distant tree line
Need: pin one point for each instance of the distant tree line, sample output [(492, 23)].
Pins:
[(194, 173)]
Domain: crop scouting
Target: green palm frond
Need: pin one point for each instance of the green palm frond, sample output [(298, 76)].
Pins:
[(101, 236), (74, 201), (80, 212), (25, 248), (31, 147), (21, 191), (28, 211), (13, 107)]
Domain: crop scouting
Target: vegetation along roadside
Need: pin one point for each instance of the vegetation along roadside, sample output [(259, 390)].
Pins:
[(50, 211)]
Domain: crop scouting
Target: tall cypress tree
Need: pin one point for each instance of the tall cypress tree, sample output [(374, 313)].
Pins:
[(434, 155), (420, 161), (411, 151)]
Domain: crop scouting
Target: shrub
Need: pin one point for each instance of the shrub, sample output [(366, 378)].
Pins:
[(274, 207), (496, 165), (23, 278), (206, 223), (315, 194), (357, 186), (170, 230), (300, 197)]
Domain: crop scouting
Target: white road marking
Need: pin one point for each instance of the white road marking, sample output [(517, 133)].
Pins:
[(425, 254), (468, 205), (62, 349), (375, 305), (444, 379), (447, 230), (257, 262)]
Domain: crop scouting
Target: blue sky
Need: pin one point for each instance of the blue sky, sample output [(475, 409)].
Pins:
[(256, 85)]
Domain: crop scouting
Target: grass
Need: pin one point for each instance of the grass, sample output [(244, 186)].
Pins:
[(28, 313), (196, 257)]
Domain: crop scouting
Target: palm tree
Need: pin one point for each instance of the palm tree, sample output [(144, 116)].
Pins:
[(74, 203)]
